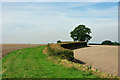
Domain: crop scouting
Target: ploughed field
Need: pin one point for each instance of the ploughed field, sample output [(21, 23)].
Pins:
[(101, 57), (7, 48)]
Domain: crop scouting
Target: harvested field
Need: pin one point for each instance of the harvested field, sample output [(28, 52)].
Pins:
[(7, 48), (101, 57)]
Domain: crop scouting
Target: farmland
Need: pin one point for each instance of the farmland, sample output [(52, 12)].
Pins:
[(32, 63), (7, 48), (101, 57), (35, 62)]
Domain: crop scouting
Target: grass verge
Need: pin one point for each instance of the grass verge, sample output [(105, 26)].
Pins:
[(32, 63)]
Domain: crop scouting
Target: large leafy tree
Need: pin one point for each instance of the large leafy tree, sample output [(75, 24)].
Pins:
[(81, 33), (107, 42)]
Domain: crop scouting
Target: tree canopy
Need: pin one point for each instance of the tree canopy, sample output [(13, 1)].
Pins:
[(81, 33), (107, 42)]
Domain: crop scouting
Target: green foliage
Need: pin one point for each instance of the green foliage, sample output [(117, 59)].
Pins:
[(107, 42), (88, 73), (81, 33), (57, 50), (115, 43), (58, 41)]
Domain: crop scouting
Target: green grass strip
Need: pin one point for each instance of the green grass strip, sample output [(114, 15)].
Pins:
[(31, 63)]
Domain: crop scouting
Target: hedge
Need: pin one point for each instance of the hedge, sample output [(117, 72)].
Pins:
[(74, 45), (59, 50)]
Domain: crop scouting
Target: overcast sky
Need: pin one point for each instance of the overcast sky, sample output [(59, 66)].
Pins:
[(47, 22)]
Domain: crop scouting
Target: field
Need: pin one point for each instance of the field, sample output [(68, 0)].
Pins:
[(32, 63), (101, 57), (7, 48)]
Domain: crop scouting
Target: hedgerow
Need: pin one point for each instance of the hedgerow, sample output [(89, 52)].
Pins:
[(57, 50), (62, 52), (74, 45)]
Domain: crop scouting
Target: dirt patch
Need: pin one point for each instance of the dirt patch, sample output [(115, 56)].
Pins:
[(101, 57)]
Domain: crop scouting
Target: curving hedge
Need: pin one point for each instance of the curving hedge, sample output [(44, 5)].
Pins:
[(74, 45), (59, 50)]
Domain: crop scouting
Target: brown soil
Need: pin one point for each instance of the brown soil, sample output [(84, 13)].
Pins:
[(101, 57), (7, 48)]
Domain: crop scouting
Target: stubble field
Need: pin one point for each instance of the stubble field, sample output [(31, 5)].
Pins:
[(101, 57)]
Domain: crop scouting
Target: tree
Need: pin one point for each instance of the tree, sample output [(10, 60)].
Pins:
[(81, 33), (58, 41), (107, 42)]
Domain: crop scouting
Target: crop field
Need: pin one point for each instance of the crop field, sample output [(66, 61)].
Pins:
[(7, 48), (101, 57), (32, 63)]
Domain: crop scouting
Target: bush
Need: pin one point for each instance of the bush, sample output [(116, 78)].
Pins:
[(57, 50), (115, 43), (107, 42), (58, 41)]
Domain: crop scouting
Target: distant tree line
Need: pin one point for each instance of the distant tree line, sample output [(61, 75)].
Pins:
[(108, 42), (59, 41)]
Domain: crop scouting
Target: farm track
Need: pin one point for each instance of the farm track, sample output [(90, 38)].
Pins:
[(8, 48), (101, 57)]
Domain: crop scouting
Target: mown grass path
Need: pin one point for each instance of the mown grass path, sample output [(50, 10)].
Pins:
[(31, 63)]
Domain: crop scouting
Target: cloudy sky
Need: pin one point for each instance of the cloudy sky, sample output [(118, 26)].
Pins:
[(47, 22)]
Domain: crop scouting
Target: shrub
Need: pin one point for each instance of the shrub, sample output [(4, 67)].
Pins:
[(107, 42), (115, 43), (58, 41)]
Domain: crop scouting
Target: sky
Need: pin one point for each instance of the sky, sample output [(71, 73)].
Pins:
[(47, 22), (59, 0)]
